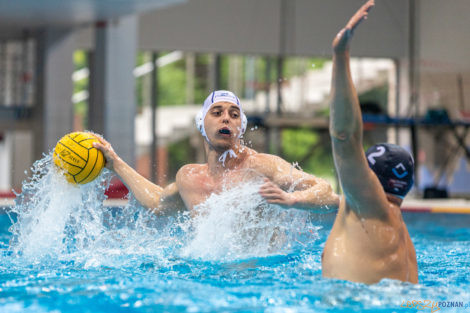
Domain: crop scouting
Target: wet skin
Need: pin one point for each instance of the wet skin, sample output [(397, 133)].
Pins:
[(195, 182), (369, 240)]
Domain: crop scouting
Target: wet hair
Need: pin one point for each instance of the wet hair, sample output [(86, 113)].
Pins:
[(394, 166)]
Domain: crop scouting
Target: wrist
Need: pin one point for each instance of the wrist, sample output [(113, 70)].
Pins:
[(341, 54), (115, 163), (292, 200)]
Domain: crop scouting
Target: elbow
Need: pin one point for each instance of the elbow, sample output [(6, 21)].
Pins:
[(334, 200), (339, 135), (330, 199), (151, 205), (150, 201), (327, 197), (343, 132)]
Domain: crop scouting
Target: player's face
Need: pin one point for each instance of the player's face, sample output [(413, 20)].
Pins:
[(223, 124)]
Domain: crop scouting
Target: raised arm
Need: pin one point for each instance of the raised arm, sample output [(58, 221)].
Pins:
[(346, 121), (360, 185), (148, 194), (287, 186)]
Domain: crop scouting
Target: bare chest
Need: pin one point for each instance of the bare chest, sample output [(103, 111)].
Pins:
[(199, 187)]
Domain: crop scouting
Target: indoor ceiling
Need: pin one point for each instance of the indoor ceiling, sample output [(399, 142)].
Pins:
[(17, 16)]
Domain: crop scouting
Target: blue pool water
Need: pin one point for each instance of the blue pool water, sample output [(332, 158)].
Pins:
[(63, 251)]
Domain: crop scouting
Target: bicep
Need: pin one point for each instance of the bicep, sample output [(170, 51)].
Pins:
[(288, 176), (171, 201)]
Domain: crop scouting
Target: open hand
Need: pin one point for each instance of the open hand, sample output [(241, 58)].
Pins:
[(107, 150), (275, 195), (342, 39)]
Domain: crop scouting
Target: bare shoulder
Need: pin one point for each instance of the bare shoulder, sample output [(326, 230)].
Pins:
[(260, 161), (188, 172), (263, 159), (270, 165)]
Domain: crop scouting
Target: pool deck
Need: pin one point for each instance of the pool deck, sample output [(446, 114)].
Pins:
[(448, 206), (456, 206)]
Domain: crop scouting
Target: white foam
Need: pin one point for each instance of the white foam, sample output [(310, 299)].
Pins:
[(238, 223), (57, 221)]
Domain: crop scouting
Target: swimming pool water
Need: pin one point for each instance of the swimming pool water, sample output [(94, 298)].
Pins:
[(285, 282), (62, 250)]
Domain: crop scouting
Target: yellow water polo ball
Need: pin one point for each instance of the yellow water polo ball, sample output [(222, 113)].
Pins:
[(76, 156)]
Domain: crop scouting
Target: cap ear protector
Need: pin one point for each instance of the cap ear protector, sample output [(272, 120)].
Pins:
[(199, 119)]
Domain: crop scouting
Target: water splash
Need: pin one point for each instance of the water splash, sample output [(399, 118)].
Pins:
[(59, 222), (238, 223), (54, 216)]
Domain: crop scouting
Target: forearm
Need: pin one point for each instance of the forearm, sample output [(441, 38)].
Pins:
[(345, 115), (147, 193), (319, 197)]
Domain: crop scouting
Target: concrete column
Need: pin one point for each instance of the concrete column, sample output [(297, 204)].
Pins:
[(112, 102), (250, 77), (190, 74), (146, 82), (20, 148), (235, 75), (214, 72), (53, 112), (5, 159)]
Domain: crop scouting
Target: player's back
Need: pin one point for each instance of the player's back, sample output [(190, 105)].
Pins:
[(369, 249)]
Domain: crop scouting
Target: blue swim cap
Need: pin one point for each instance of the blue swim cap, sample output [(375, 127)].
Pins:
[(394, 166)]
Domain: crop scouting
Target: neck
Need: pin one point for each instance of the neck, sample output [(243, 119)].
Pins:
[(394, 199), (231, 162)]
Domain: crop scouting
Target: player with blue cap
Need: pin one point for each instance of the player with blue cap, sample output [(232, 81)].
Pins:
[(369, 240)]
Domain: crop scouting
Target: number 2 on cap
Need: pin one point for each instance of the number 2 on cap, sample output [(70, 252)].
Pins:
[(371, 157)]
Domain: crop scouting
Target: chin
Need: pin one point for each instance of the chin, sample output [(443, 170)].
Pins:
[(224, 147), (223, 144)]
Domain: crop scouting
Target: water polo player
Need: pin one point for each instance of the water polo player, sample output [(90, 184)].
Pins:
[(222, 122), (369, 240)]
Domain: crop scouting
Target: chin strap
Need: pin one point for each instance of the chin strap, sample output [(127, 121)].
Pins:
[(229, 152)]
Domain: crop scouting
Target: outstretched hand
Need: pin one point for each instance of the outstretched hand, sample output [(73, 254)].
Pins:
[(107, 150), (275, 195), (343, 38)]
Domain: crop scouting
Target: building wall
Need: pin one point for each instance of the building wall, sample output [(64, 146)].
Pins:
[(4, 163), (444, 40), (300, 27)]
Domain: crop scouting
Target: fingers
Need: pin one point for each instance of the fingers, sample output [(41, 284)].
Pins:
[(360, 15), (342, 39), (102, 144), (105, 147), (273, 194), (269, 188), (275, 201), (270, 197), (281, 199), (101, 140), (99, 146)]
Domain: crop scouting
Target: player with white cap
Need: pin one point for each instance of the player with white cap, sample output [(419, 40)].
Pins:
[(222, 122)]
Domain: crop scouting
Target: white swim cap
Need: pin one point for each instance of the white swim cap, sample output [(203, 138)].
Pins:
[(214, 97)]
